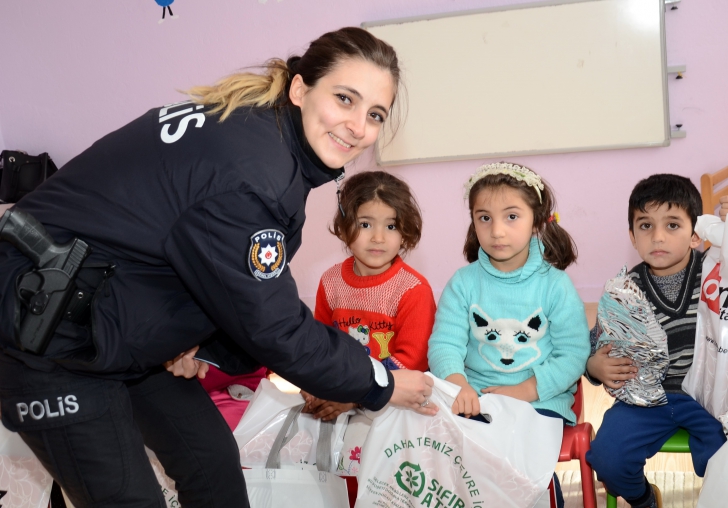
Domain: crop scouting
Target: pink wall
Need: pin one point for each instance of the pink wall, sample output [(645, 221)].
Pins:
[(72, 74)]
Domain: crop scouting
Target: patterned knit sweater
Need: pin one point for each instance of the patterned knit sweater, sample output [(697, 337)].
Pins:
[(502, 328), (390, 314), (678, 318)]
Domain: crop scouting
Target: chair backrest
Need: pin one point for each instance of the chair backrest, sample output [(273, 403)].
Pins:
[(578, 406), (711, 197)]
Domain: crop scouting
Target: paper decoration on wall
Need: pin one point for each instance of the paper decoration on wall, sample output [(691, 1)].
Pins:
[(166, 7)]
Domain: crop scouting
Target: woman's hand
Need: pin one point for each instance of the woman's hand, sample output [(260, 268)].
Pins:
[(612, 372), (526, 391), (412, 389), (186, 366), (466, 403)]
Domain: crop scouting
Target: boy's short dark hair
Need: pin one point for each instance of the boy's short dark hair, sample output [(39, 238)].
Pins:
[(664, 188)]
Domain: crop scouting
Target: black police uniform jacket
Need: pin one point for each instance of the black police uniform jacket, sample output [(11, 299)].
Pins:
[(174, 200)]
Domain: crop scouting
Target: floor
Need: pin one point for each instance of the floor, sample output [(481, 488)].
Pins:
[(679, 489)]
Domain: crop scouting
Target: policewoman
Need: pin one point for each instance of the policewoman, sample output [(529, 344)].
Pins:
[(193, 212)]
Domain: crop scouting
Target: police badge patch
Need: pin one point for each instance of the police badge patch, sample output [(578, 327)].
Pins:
[(267, 254)]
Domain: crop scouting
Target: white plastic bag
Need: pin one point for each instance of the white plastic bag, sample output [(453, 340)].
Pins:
[(23, 479), (263, 420), (166, 483), (276, 488), (447, 461), (715, 488), (273, 487), (357, 430), (356, 434), (707, 379)]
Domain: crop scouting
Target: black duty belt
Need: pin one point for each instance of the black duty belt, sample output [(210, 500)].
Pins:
[(91, 278)]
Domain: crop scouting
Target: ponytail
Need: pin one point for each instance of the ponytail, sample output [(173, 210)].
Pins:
[(472, 245), (559, 249), (245, 89), (270, 89)]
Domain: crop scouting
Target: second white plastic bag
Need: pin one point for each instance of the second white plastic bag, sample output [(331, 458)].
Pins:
[(715, 489), (24, 482), (413, 460), (707, 379), (263, 420)]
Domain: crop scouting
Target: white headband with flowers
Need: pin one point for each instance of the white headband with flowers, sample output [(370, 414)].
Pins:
[(520, 173)]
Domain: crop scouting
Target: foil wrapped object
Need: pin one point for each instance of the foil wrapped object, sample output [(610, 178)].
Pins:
[(626, 321)]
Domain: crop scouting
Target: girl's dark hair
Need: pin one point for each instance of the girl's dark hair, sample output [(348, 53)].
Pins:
[(321, 57), (390, 190), (559, 249)]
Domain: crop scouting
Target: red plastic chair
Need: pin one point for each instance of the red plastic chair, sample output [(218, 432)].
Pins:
[(576, 442)]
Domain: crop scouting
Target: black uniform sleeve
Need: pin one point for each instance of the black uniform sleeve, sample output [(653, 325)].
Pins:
[(227, 355), (208, 248)]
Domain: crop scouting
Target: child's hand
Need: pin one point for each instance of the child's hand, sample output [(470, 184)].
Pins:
[(526, 391), (311, 403), (467, 402), (330, 410), (612, 372), (324, 409), (723, 207), (186, 366)]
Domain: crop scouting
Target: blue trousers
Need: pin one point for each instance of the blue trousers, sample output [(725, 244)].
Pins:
[(629, 435)]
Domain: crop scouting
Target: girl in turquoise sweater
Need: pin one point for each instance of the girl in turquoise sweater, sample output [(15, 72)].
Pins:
[(511, 322)]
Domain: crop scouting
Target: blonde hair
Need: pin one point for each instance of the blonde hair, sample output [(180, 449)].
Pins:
[(244, 89), (270, 89)]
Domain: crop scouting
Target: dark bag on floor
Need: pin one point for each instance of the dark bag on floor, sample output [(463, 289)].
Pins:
[(20, 173)]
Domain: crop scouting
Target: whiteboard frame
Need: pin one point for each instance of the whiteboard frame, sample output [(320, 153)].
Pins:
[(531, 5)]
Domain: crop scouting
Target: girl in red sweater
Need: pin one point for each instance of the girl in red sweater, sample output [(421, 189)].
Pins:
[(373, 295)]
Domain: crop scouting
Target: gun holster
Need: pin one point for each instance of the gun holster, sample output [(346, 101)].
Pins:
[(30, 295), (48, 292)]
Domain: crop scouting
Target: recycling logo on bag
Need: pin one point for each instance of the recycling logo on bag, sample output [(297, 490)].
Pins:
[(410, 478)]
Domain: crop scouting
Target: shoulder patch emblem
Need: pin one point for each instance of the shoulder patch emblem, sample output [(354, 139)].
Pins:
[(267, 254)]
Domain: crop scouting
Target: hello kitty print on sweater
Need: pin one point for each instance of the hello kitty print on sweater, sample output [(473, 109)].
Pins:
[(390, 314)]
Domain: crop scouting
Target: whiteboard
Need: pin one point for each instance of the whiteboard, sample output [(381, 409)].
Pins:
[(563, 76)]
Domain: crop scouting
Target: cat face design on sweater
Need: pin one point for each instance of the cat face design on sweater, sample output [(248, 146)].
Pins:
[(506, 344)]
